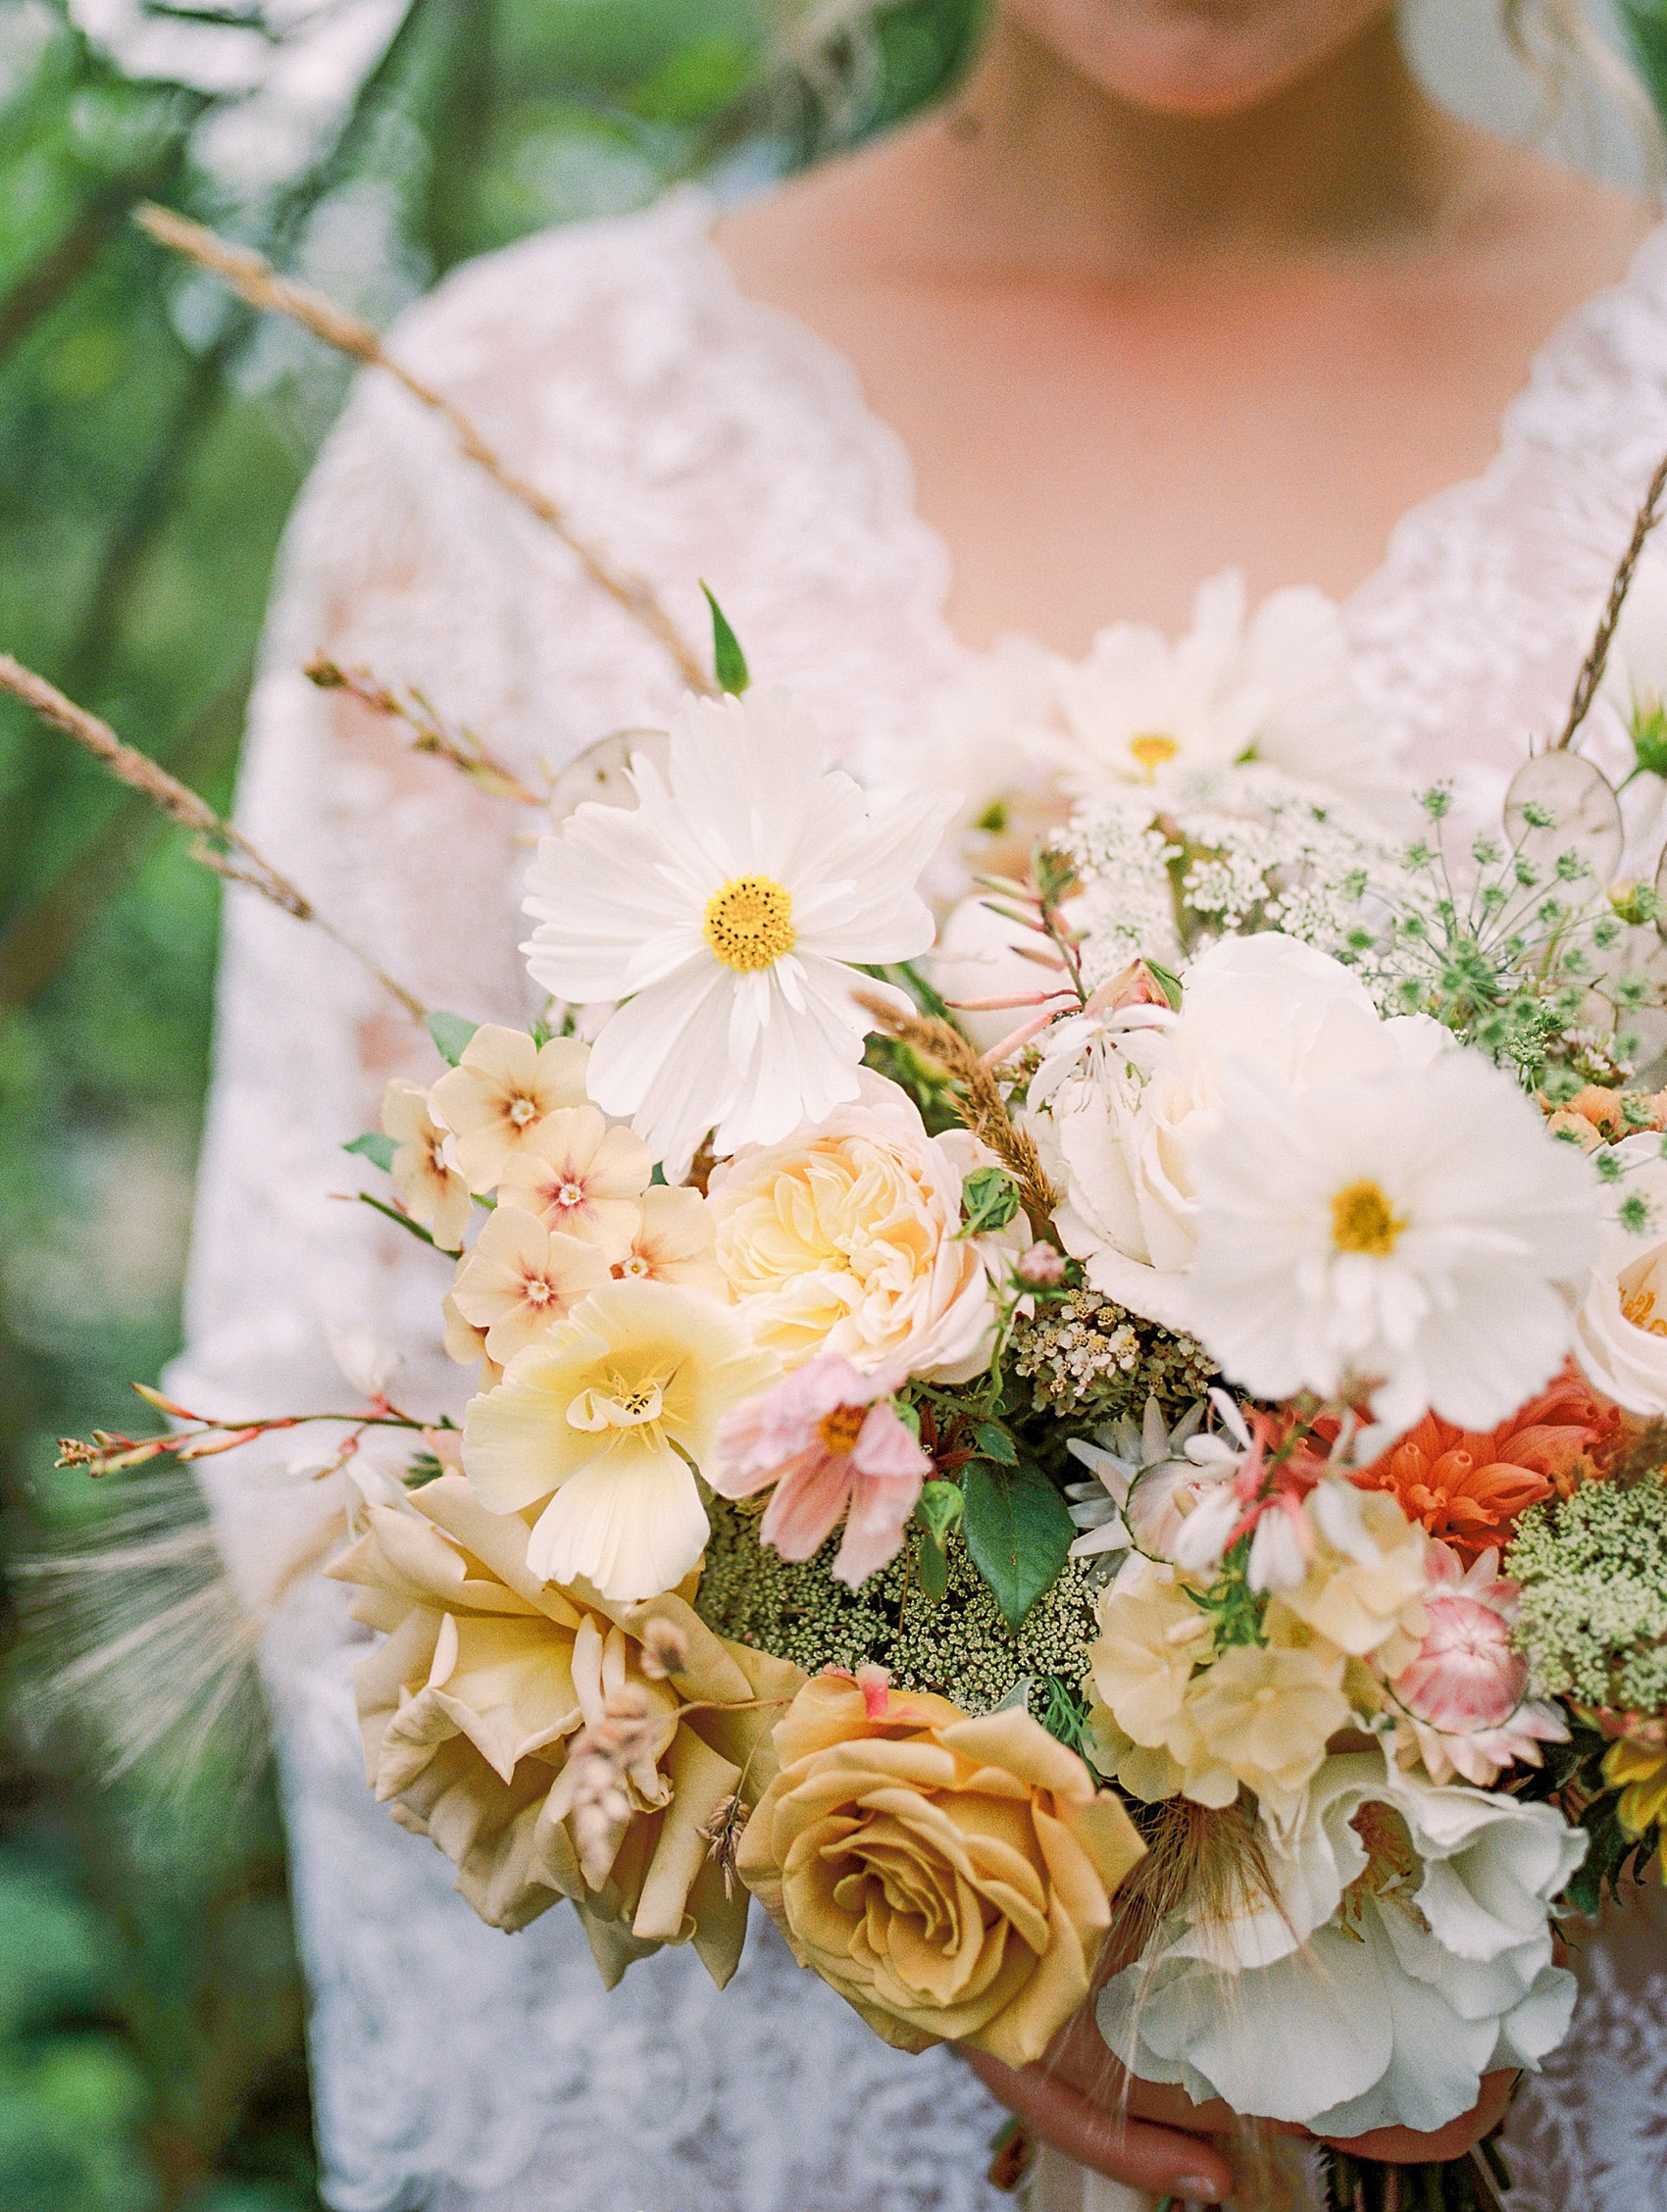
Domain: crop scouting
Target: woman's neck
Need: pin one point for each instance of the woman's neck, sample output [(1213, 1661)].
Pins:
[(1034, 168)]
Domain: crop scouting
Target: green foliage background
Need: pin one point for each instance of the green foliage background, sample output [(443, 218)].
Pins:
[(151, 439)]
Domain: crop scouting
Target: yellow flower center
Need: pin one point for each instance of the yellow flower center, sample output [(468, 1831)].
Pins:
[(1364, 1221), (570, 1195), (537, 1291), (522, 1111), (840, 1428), (749, 923), (1639, 1310), (636, 1265), (1391, 1863), (1151, 749)]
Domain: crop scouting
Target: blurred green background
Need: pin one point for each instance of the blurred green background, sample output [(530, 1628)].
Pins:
[(152, 436)]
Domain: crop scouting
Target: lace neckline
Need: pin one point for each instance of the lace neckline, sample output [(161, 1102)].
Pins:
[(1557, 363)]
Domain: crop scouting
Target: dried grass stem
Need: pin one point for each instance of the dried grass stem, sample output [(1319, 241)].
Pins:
[(978, 1098), (1597, 659), (254, 279), (215, 843)]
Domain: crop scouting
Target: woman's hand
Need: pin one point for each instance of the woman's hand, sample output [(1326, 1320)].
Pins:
[(1154, 2138)]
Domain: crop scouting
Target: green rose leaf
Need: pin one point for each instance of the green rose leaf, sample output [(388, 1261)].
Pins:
[(451, 1034), (989, 1198), (375, 1147), (1018, 1530), (995, 1443)]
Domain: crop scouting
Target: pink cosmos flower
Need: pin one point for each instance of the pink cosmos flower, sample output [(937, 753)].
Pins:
[(833, 1445), (1463, 1693)]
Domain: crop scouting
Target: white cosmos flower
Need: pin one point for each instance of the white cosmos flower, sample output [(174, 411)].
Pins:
[(728, 910), (1275, 686), (1120, 1103), (1405, 1951), (1410, 1228)]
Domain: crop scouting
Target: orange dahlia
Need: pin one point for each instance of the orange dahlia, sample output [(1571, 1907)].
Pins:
[(1469, 1486)]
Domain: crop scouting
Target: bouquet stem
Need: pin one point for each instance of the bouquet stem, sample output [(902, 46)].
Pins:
[(1472, 2184)]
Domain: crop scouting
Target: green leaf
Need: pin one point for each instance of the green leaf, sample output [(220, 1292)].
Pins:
[(933, 1568), (995, 1443), (375, 1147), (451, 1034), (937, 1508), (989, 1198), (727, 658), (1018, 1530)]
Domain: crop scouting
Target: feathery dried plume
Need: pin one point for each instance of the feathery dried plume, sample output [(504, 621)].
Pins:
[(722, 1833), (976, 1097), (665, 1650), (215, 843), (254, 279), (597, 1774), (430, 733)]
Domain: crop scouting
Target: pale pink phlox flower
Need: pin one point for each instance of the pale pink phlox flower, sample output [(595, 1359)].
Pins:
[(1464, 1693), (829, 1439)]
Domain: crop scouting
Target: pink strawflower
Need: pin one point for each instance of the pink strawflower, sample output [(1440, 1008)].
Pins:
[(832, 1445), (1462, 1696)]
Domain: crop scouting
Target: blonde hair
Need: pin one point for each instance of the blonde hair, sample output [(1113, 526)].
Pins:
[(1578, 69)]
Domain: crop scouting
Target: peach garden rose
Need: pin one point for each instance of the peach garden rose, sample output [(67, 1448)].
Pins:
[(950, 1877)]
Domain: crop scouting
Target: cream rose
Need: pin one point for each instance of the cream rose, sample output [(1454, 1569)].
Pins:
[(1621, 1328), (846, 1238), (483, 1680), (950, 1877), (1118, 1104)]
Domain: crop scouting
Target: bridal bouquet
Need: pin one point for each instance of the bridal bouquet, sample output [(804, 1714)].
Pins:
[(1123, 1461)]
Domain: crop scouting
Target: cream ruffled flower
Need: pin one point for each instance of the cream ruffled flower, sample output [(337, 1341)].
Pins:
[(482, 1683), (500, 1090), (1411, 1232), (1405, 1951), (676, 1241), (846, 1238), (430, 1187), (518, 1277), (950, 1877), (1120, 1103), (729, 911), (1366, 1574), (1621, 1328), (603, 1426), (1168, 1715)]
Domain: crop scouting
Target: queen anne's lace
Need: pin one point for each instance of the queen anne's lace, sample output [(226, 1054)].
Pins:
[(694, 434)]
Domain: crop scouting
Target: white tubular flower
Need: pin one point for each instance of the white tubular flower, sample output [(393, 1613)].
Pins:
[(729, 910), (1413, 1232), (1405, 1951)]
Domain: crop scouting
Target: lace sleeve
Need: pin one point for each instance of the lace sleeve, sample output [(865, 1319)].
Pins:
[(406, 561)]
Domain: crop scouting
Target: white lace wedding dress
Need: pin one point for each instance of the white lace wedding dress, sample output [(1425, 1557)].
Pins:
[(695, 435)]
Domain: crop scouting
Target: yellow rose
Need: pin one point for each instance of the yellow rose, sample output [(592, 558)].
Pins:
[(486, 1678), (950, 1877), (847, 1239)]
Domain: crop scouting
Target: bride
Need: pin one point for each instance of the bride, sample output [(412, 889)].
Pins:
[(1171, 285)]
